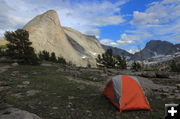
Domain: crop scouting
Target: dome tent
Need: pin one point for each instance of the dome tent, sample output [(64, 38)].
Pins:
[(125, 93)]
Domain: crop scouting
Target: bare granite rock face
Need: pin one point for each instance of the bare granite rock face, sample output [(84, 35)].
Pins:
[(3, 42), (88, 46), (46, 33)]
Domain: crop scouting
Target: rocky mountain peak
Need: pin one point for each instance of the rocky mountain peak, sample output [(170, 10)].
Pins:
[(46, 33), (154, 44), (155, 48), (49, 17), (52, 15)]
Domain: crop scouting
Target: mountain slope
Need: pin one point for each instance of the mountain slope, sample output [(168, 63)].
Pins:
[(118, 51), (46, 33), (87, 45), (157, 47), (2, 42)]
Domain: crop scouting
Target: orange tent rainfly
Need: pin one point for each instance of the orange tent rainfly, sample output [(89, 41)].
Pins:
[(126, 93)]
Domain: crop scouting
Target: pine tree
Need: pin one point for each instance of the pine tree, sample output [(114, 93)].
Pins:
[(120, 62), (124, 64), (136, 66), (106, 59), (46, 55), (53, 57), (19, 47), (61, 60), (175, 67), (2, 51)]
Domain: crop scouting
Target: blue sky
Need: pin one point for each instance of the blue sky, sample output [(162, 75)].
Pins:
[(127, 24)]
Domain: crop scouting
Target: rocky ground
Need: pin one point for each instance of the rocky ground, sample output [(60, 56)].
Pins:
[(52, 91)]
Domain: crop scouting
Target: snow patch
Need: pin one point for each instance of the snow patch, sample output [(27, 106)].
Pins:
[(93, 53), (84, 57), (155, 53)]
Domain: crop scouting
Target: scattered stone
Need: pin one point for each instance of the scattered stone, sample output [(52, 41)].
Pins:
[(55, 108), (137, 117), (178, 96), (176, 91), (81, 87), (46, 65), (15, 64), (178, 86), (5, 60), (88, 111), (39, 102), (171, 97), (162, 74), (164, 94), (14, 73), (24, 76), (158, 97), (14, 113), (90, 114), (26, 82), (148, 74), (103, 75), (17, 95), (4, 88), (71, 97), (4, 106), (69, 105), (95, 79), (21, 86), (4, 83), (165, 90), (32, 92), (60, 70), (54, 93), (4, 68), (51, 113), (34, 73)]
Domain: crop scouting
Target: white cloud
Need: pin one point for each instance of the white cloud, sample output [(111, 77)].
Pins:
[(124, 40), (83, 16), (158, 13), (127, 38), (161, 20), (103, 21), (95, 32), (109, 42), (141, 18)]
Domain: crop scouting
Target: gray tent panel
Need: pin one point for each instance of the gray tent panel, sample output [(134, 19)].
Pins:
[(117, 85)]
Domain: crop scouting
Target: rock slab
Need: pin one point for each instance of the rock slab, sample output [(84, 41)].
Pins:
[(15, 113)]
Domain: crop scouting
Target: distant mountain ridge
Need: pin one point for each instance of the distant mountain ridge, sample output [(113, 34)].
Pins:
[(152, 49), (118, 51), (157, 47), (46, 33)]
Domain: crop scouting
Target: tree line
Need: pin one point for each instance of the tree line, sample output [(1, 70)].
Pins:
[(19, 48), (109, 60)]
